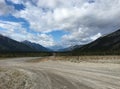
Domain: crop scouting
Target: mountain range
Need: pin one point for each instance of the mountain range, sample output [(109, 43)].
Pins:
[(36, 46), (9, 45), (70, 48), (110, 42)]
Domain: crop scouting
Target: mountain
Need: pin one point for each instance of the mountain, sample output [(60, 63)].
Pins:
[(35, 46), (70, 48), (56, 48), (10, 45), (110, 42)]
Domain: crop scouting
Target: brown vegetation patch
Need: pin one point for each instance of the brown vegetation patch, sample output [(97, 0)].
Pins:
[(78, 59)]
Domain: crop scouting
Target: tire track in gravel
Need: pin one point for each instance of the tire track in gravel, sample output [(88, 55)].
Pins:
[(59, 75)]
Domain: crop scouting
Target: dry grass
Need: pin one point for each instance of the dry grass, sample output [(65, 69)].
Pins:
[(78, 59)]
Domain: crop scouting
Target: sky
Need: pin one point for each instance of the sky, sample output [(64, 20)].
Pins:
[(60, 23)]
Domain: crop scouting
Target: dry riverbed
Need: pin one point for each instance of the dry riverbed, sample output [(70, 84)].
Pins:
[(57, 73)]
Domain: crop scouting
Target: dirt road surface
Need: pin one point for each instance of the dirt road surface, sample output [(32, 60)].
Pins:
[(16, 73)]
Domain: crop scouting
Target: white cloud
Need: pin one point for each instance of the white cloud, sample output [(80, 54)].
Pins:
[(85, 20), (16, 1), (16, 31), (72, 13), (79, 37)]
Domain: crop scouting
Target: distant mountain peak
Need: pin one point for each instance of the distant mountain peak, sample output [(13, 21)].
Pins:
[(36, 46), (70, 48), (9, 45)]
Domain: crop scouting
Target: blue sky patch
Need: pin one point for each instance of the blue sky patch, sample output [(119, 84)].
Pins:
[(16, 6), (58, 34)]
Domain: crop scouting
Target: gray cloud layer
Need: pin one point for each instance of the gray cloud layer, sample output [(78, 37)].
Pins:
[(5, 9)]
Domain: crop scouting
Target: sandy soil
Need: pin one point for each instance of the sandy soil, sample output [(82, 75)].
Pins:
[(16, 73)]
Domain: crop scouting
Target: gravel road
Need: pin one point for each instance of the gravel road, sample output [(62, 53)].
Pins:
[(16, 73)]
